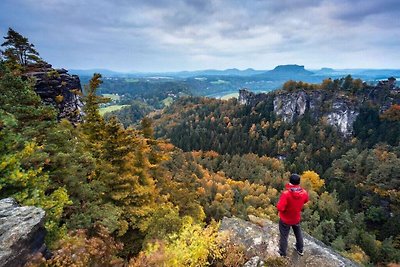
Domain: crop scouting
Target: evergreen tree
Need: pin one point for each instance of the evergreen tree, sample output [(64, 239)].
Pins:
[(147, 130), (93, 125), (33, 118), (18, 50), (25, 123)]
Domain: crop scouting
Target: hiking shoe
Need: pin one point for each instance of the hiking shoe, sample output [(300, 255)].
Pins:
[(301, 253)]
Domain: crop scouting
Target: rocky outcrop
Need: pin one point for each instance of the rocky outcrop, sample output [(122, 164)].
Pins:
[(291, 106), (58, 88), (249, 98), (336, 108), (21, 232), (339, 111), (260, 239), (342, 115)]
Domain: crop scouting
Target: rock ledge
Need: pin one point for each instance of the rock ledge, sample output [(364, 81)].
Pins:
[(260, 239)]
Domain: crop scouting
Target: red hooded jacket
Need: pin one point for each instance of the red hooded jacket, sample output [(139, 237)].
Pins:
[(291, 203)]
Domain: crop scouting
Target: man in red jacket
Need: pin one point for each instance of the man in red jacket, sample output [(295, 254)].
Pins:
[(289, 206)]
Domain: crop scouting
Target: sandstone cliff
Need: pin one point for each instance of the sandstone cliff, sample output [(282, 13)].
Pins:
[(339, 109), (260, 239), (58, 88), (21, 232)]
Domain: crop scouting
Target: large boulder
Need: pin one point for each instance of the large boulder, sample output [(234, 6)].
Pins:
[(21, 232), (260, 238)]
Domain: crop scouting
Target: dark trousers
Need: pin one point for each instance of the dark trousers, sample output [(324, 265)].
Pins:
[(284, 230)]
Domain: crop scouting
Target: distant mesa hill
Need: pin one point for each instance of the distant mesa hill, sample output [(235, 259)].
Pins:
[(58, 88), (295, 69), (283, 72), (279, 72), (338, 109)]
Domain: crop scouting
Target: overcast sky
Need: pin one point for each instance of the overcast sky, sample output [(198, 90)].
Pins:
[(171, 35)]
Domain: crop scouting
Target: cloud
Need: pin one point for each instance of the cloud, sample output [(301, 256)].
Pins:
[(360, 10), (195, 34)]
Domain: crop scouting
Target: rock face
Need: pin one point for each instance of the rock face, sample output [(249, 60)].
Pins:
[(260, 238), (291, 106), (21, 232), (58, 88), (338, 111), (249, 98), (336, 108)]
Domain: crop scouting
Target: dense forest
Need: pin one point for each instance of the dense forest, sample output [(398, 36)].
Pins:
[(119, 196), (360, 172), (141, 96)]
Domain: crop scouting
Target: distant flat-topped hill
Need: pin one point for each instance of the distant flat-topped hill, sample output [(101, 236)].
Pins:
[(298, 69), (286, 72)]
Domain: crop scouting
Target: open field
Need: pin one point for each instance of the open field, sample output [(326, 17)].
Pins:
[(231, 95), (219, 82), (111, 108), (131, 80), (113, 97)]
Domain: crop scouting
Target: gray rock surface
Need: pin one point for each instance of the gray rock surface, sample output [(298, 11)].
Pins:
[(260, 238), (58, 88), (21, 232), (291, 106)]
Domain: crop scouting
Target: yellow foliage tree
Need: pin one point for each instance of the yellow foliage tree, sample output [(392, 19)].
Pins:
[(357, 254), (314, 179), (193, 246)]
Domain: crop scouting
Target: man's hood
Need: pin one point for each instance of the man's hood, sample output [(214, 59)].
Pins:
[(295, 190)]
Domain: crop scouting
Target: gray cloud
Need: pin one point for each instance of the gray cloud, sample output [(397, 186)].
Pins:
[(360, 10), (152, 35)]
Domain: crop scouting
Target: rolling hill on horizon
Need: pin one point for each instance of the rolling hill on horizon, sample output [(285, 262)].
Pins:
[(289, 71)]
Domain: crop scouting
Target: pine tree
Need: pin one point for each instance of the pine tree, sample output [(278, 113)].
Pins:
[(18, 50), (93, 125), (25, 123), (132, 187), (147, 130), (18, 98)]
